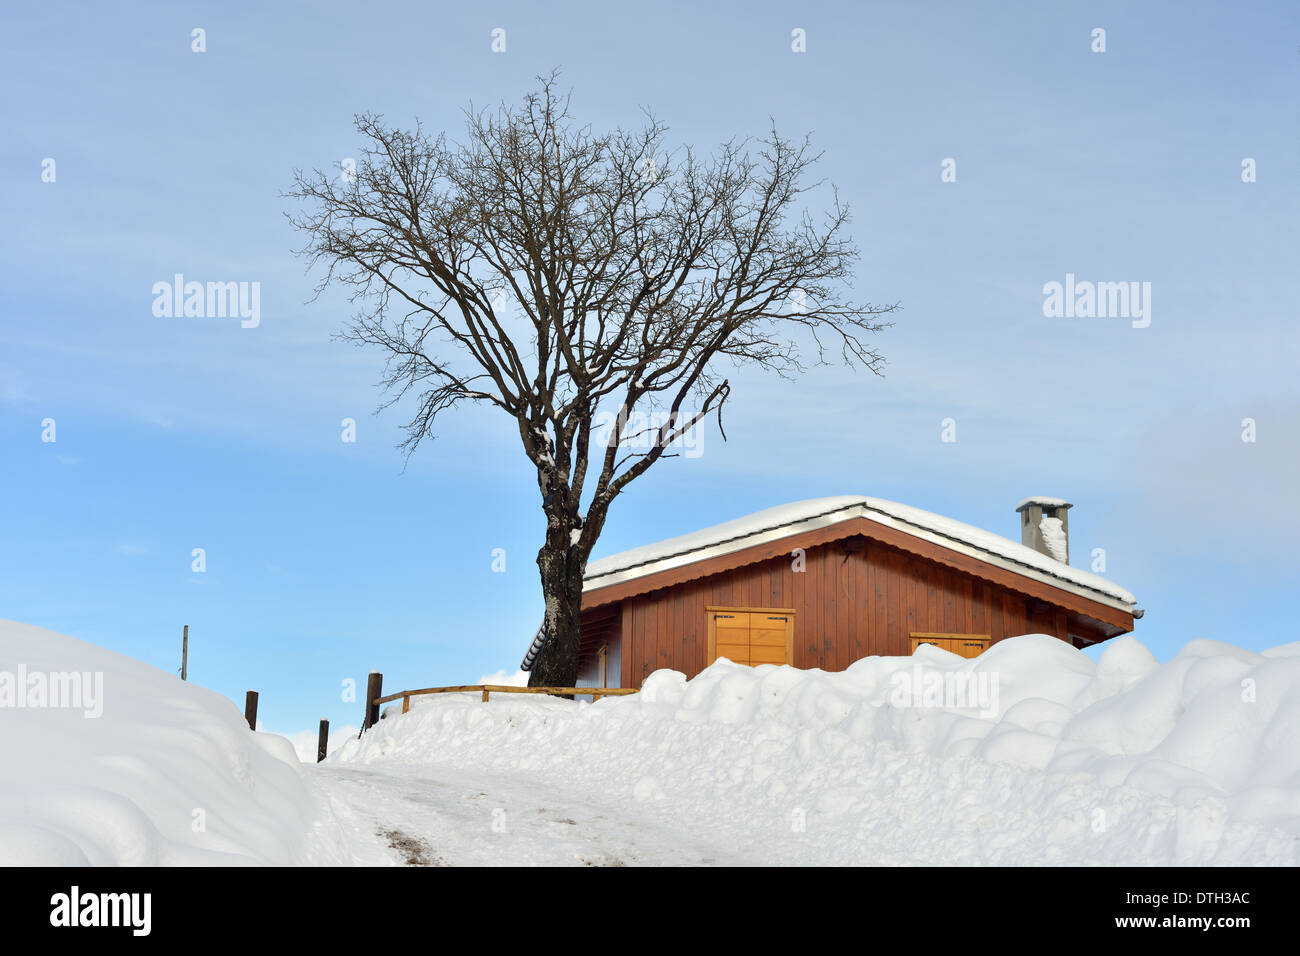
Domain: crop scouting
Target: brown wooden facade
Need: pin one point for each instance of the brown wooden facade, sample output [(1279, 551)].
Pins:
[(863, 590)]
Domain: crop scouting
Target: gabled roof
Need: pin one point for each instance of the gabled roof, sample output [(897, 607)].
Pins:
[(785, 520), (618, 571)]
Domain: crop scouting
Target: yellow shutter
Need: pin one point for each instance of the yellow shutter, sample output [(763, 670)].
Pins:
[(767, 638), (731, 629), (964, 645), (751, 635)]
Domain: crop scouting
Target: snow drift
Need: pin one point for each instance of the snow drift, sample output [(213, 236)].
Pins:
[(166, 773), (1049, 757), (1031, 753)]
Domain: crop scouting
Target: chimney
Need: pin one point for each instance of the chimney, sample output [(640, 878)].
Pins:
[(1045, 526)]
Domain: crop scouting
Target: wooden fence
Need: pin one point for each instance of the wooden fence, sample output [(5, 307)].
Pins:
[(322, 737), (375, 697), (375, 694)]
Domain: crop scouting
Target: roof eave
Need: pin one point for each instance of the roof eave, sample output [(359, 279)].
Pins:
[(610, 586)]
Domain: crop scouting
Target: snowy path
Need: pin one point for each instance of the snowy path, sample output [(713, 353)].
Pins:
[(441, 817)]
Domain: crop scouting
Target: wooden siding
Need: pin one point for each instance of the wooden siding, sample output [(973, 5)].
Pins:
[(854, 599), (1109, 619)]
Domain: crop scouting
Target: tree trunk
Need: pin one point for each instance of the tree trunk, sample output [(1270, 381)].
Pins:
[(561, 572)]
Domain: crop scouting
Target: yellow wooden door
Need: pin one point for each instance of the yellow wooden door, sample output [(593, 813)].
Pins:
[(732, 632), (767, 638), (751, 635), (939, 642), (964, 645)]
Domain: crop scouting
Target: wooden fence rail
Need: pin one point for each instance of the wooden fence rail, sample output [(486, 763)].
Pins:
[(372, 706)]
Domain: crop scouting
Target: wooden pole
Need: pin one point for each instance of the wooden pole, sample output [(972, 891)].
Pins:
[(322, 740), (185, 650), (374, 690), (250, 709)]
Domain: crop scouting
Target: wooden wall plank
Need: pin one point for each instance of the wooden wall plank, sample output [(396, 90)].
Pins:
[(624, 647), (859, 613), (894, 605), (965, 603), (979, 621), (880, 588), (634, 609), (867, 598), (915, 596), (652, 609), (816, 607), (831, 602), (949, 590), (933, 605), (799, 591), (997, 623)]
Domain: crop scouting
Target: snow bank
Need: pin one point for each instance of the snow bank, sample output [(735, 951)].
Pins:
[(306, 742), (1029, 754), (105, 760)]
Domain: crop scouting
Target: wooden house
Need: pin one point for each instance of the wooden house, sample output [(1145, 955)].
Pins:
[(825, 582)]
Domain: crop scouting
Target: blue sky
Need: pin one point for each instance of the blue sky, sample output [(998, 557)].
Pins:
[(326, 560)]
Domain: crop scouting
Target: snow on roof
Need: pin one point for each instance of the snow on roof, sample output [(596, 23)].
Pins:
[(1054, 539), (774, 523), (1045, 501)]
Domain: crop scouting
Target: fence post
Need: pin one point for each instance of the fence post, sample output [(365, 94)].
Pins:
[(185, 650), (323, 740), (250, 709), (374, 689)]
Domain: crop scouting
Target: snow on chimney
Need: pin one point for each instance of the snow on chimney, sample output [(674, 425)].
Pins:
[(1045, 526)]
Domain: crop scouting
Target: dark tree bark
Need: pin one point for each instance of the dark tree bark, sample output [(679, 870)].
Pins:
[(580, 283)]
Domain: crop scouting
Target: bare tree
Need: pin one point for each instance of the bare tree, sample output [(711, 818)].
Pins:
[(584, 284)]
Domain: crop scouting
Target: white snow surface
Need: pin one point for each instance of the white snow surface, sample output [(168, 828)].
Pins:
[(1044, 500), (1120, 761), (306, 742), (774, 523), (167, 774), (1117, 761), (1053, 533)]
